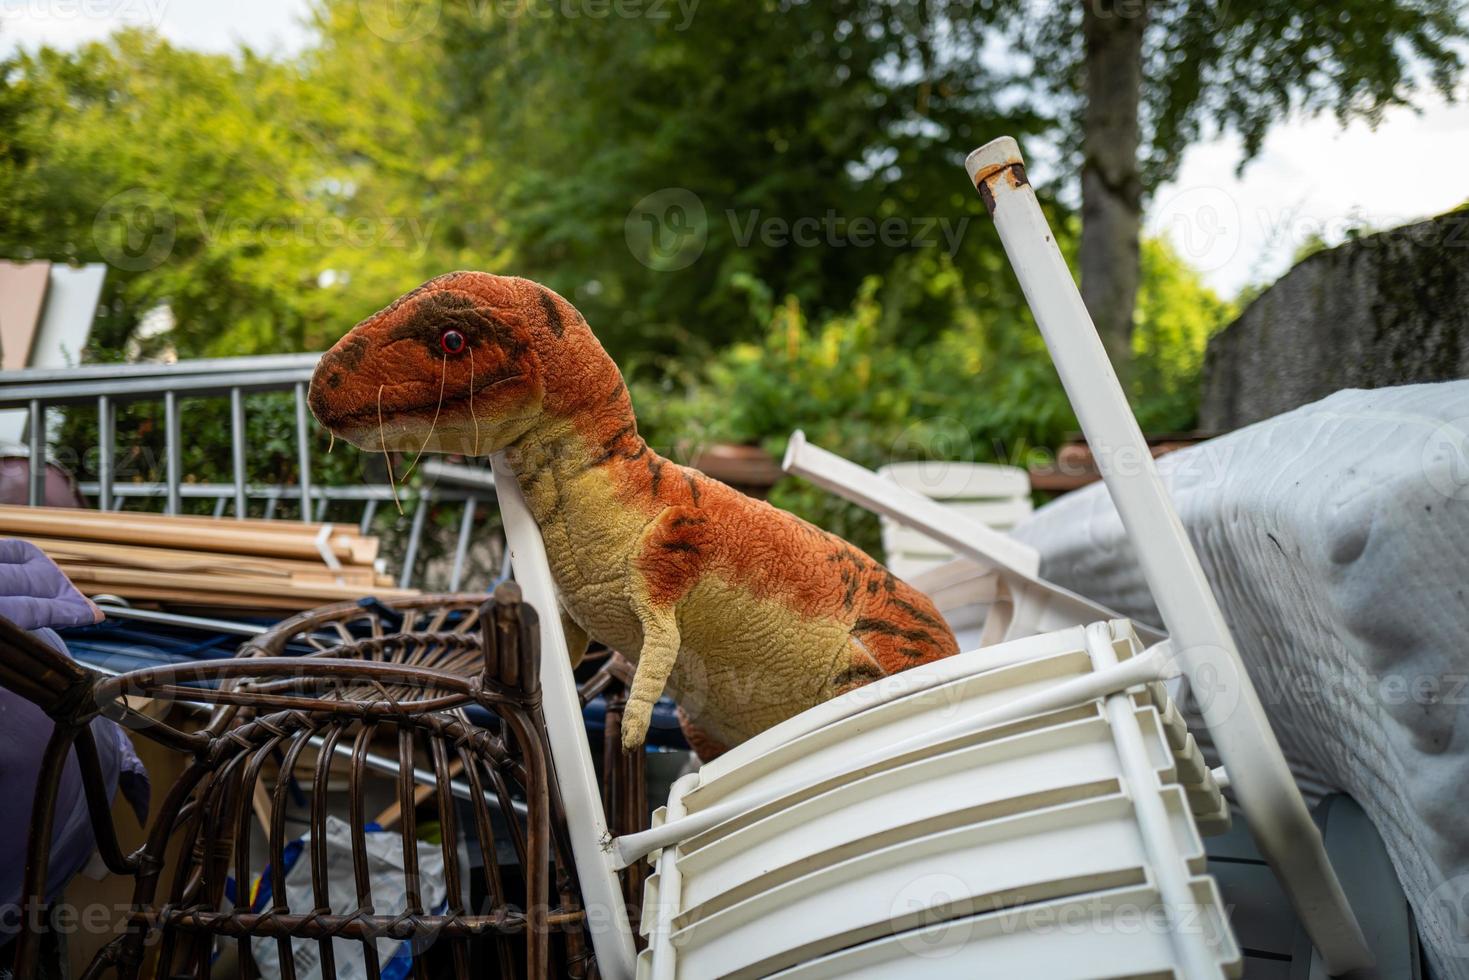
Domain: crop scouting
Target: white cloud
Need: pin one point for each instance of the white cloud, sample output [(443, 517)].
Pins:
[(1312, 178), (206, 25)]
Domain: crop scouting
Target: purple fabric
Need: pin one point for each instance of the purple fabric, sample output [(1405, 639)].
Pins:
[(36, 595)]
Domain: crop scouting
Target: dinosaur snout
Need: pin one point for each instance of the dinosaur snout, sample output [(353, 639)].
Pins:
[(331, 397), (324, 382)]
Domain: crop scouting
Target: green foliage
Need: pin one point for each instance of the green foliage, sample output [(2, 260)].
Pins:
[(1176, 316), (269, 203), (982, 390), (750, 116)]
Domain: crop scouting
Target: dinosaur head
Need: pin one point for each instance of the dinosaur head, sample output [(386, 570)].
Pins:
[(466, 363)]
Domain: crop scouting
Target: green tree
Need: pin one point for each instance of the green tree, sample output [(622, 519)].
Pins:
[(266, 204), (1176, 316), (730, 132), (1145, 78), (979, 391)]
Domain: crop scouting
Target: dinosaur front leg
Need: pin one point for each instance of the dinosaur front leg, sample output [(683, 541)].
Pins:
[(655, 663), (669, 558)]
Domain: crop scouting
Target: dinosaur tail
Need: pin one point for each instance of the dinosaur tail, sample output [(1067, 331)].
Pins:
[(898, 628)]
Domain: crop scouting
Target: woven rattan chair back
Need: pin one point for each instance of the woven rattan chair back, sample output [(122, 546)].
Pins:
[(320, 721)]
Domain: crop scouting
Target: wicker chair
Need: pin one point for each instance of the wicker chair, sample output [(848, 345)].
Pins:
[(319, 713), (372, 628)]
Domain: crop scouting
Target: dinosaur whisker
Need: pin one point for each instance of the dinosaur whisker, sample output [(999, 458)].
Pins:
[(383, 438), (443, 377), (473, 417)]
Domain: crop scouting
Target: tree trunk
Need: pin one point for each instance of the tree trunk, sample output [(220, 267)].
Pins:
[(1111, 186)]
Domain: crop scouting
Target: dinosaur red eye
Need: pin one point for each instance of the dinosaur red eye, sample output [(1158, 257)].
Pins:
[(452, 341)]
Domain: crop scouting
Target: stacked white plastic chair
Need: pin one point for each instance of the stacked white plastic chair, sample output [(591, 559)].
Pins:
[(965, 591), (998, 813), (1030, 808), (993, 591), (997, 495)]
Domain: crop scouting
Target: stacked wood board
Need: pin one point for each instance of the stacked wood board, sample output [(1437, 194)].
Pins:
[(202, 561)]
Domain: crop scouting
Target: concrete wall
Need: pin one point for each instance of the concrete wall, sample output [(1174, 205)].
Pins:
[(1387, 309)]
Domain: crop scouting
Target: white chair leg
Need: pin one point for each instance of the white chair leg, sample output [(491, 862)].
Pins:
[(1262, 781), (585, 818)]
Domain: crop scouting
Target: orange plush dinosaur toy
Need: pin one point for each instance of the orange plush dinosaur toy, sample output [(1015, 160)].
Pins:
[(746, 614)]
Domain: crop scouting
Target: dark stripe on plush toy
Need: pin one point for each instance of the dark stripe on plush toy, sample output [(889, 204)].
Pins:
[(688, 546), (868, 624), (609, 448), (693, 483), (439, 310), (616, 437), (917, 614), (349, 353), (854, 674), (552, 313), (655, 467)]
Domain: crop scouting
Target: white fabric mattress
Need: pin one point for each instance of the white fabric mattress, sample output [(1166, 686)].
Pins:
[(1337, 541)]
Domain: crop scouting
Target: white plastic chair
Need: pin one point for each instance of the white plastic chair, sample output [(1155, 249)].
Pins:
[(993, 591), (999, 496), (988, 879), (965, 591), (951, 794)]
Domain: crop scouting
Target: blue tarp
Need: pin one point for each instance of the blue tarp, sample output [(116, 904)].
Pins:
[(121, 645)]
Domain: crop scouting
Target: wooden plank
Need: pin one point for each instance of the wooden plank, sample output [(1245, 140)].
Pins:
[(222, 600), (293, 529), (152, 530), (354, 575), (204, 562), (123, 578), (250, 564), (347, 530), (286, 527)]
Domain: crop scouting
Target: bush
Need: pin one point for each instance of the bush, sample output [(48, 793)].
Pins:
[(857, 390), (983, 391)]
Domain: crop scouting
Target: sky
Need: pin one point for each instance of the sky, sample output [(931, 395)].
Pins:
[(1312, 179)]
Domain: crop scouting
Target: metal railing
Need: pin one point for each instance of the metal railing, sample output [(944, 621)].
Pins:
[(104, 387)]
